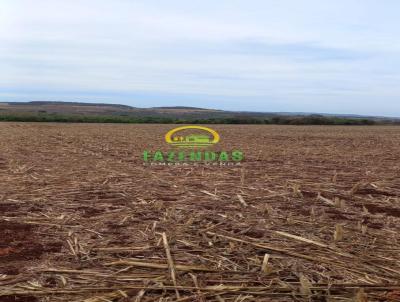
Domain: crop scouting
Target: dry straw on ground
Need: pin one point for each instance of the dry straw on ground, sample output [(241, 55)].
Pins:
[(312, 215)]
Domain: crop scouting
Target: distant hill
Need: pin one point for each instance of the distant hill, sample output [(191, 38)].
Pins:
[(92, 112), (55, 103), (180, 107), (80, 108)]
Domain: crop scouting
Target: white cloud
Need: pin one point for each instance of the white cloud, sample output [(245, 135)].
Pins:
[(297, 52)]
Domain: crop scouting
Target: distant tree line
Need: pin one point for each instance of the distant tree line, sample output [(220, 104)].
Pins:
[(278, 120)]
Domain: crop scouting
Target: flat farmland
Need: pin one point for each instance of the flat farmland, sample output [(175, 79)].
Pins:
[(311, 214)]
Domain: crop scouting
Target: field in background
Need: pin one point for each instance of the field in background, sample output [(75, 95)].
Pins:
[(71, 112), (314, 211)]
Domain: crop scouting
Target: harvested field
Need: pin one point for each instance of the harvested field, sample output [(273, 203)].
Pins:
[(312, 214)]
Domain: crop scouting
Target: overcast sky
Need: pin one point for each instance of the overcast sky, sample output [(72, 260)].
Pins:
[(339, 56)]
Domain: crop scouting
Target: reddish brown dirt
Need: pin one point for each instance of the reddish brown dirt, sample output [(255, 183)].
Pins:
[(18, 244), (18, 299), (81, 217)]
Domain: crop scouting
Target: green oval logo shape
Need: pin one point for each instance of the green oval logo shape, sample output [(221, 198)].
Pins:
[(207, 138)]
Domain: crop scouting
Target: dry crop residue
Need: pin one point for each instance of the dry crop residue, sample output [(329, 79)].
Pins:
[(311, 215)]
